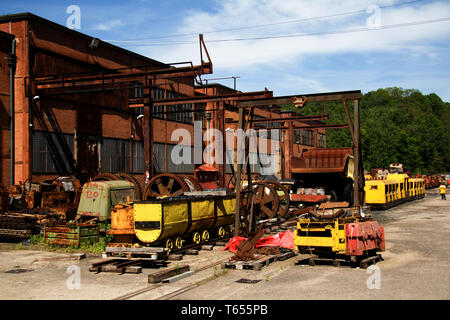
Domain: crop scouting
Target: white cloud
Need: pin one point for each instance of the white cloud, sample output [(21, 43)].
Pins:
[(238, 13), (106, 26)]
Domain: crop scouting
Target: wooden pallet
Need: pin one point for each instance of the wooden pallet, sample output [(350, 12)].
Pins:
[(150, 253), (256, 264), (339, 262)]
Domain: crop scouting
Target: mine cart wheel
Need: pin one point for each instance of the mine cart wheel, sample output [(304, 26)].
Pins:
[(106, 177), (196, 238), (192, 182), (265, 200), (178, 242), (283, 197), (133, 180), (168, 244), (205, 236), (165, 185), (221, 232)]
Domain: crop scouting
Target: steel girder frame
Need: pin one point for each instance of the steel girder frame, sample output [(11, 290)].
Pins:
[(319, 97)]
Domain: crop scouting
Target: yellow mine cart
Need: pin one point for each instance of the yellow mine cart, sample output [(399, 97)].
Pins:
[(171, 221)]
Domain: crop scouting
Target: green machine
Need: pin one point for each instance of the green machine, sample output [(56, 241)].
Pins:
[(99, 197)]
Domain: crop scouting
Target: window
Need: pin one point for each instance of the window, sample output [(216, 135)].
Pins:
[(115, 155), (297, 136), (138, 157), (42, 161), (158, 94), (322, 140), (159, 158), (137, 91)]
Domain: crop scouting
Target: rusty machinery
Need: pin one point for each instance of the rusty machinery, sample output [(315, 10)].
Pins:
[(28, 207)]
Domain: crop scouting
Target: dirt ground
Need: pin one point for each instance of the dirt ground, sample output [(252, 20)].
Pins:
[(415, 266)]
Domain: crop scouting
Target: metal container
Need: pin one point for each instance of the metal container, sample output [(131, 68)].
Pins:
[(162, 219), (99, 197), (71, 234)]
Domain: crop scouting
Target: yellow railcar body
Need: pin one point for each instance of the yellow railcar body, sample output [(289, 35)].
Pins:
[(158, 220), (396, 188)]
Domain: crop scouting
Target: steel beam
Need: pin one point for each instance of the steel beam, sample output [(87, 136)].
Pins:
[(316, 97)]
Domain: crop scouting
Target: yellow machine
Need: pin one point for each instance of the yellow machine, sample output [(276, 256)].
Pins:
[(313, 236), (171, 221), (342, 235), (395, 189)]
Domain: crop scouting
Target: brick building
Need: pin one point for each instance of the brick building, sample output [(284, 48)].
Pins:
[(100, 129)]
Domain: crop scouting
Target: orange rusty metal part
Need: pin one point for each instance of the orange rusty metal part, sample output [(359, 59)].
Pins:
[(322, 161), (122, 220), (309, 198)]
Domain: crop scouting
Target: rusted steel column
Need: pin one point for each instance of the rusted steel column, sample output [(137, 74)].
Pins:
[(288, 147), (237, 187), (356, 154), (148, 136), (221, 124)]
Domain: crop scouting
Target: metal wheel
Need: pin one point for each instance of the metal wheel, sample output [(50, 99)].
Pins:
[(178, 242), (168, 244), (165, 185), (205, 236), (283, 197), (221, 232), (196, 238), (192, 183), (265, 200)]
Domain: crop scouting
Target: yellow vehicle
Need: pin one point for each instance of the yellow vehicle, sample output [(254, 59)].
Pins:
[(395, 189), (172, 221)]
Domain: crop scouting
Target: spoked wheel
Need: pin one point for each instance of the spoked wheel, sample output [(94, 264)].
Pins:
[(221, 232), (168, 244), (165, 185), (283, 197), (178, 243), (192, 183), (265, 200), (205, 236), (196, 238)]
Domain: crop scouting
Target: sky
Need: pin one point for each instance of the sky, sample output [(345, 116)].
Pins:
[(290, 46)]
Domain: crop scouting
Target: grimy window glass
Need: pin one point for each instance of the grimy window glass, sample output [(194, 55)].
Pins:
[(42, 161), (115, 155)]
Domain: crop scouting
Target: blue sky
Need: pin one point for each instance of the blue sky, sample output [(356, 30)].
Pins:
[(325, 59)]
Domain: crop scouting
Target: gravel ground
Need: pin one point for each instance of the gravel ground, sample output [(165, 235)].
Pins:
[(415, 266)]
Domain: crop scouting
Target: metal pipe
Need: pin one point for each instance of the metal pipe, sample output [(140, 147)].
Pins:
[(12, 59), (356, 154)]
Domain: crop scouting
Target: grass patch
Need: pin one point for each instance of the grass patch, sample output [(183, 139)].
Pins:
[(215, 275)]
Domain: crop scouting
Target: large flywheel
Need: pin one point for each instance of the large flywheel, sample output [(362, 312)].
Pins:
[(165, 185), (283, 197), (265, 200)]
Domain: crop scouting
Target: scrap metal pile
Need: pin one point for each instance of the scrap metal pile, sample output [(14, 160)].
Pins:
[(26, 208)]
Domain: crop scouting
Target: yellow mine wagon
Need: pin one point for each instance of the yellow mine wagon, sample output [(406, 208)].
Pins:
[(171, 221)]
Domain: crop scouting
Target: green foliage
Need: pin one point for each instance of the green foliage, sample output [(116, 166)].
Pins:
[(397, 125)]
